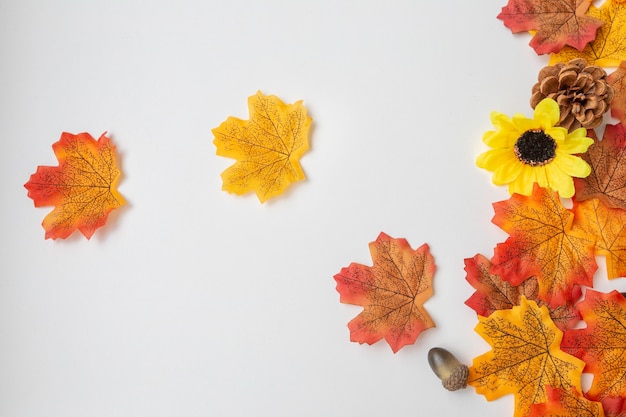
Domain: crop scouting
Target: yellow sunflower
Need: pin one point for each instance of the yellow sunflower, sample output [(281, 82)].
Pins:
[(527, 151)]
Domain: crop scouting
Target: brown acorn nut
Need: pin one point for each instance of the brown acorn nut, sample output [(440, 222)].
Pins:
[(582, 92), (452, 373)]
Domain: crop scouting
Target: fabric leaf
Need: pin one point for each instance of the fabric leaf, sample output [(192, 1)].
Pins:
[(555, 23), (609, 47), (614, 406), (617, 80), (82, 188), (392, 292), (525, 358), (602, 344), (542, 243), (607, 159), (607, 225), (267, 147), (562, 403), (493, 293)]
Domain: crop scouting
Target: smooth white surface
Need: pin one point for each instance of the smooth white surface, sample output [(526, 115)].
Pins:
[(194, 302)]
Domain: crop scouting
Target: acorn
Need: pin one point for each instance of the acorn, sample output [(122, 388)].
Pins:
[(452, 373)]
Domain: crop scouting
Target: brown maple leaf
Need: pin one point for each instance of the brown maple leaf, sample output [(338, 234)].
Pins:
[(607, 159), (608, 226), (617, 80), (542, 243), (493, 293), (82, 188), (555, 23), (609, 47), (392, 292), (602, 344), (525, 358)]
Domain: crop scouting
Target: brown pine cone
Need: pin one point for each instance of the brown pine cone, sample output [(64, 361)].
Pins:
[(581, 90)]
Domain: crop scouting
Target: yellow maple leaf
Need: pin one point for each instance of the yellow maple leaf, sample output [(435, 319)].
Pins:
[(609, 47), (267, 147), (526, 358)]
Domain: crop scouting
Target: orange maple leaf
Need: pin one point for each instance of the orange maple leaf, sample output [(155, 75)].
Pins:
[(609, 47), (555, 23), (493, 293), (608, 226), (562, 403), (82, 188), (267, 147), (617, 80), (602, 344), (542, 243), (607, 159), (392, 292), (525, 358)]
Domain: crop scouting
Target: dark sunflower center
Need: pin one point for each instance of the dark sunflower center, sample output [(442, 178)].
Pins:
[(535, 148)]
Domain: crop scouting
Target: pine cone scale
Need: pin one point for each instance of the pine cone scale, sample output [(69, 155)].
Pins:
[(581, 90)]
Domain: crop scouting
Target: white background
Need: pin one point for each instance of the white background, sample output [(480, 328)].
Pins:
[(194, 302)]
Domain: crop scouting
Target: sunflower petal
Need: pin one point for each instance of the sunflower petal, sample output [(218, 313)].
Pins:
[(524, 183), (508, 171), (547, 113), (573, 145), (560, 181), (571, 165), (493, 159)]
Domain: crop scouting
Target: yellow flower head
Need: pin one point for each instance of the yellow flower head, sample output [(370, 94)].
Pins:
[(527, 151)]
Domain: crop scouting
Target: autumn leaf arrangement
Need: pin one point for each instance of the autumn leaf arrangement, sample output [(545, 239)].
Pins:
[(565, 169)]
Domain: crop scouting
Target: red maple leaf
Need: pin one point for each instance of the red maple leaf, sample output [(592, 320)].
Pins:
[(542, 243), (493, 293), (392, 292), (607, 180), (556, 23)]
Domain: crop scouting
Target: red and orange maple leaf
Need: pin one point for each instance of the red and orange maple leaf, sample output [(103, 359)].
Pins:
[(556, 23), (607, 159), (602, 344), (82, 188), (392, 292), (493, 293), (544, 244)]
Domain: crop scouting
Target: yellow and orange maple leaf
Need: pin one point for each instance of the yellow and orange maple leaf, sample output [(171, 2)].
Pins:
[(607, 225), (525, 358), (267, 147), (609, 47), (82, 188), (392, 292)]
